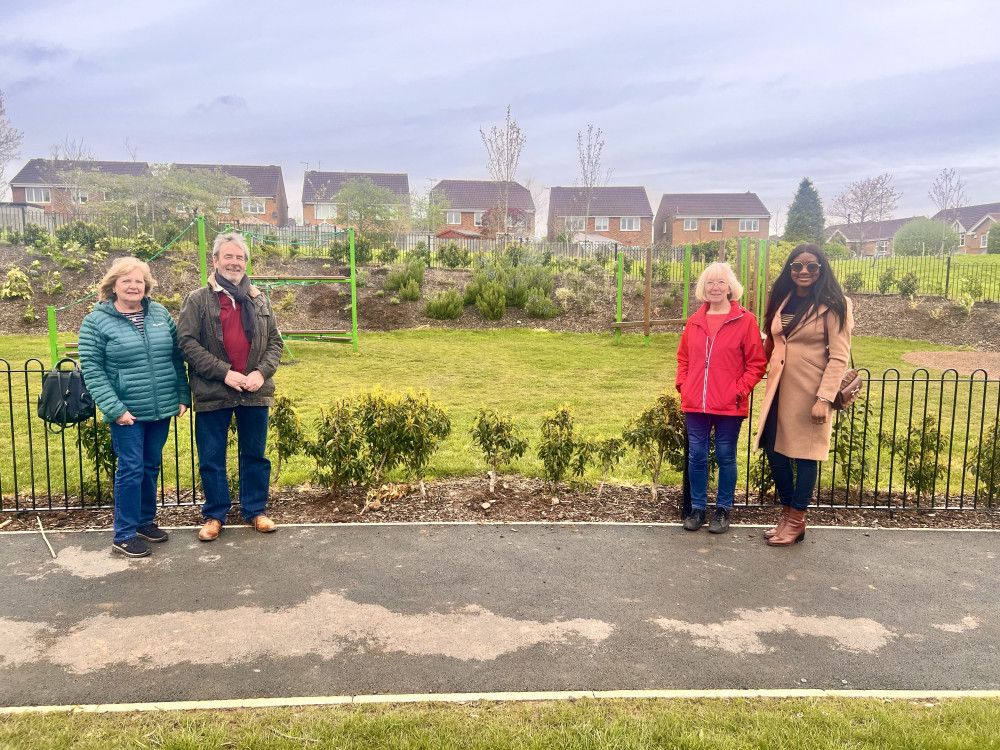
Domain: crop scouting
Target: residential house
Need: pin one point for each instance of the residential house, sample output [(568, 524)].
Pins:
[(47, 182), (972, 223), (319, 191), (878, 235), (266, 202), (689, 218), (619, 214), (470, 200)]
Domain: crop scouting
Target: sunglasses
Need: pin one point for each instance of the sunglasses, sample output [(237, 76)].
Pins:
[(810, 267)]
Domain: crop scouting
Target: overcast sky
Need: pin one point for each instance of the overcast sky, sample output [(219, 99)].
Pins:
[(710, 96)]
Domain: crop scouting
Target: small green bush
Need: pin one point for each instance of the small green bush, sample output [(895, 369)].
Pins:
[(853, 282), (144, 246), (34, 235), (52, 283), (540, 305), (361, 277), (388, 253), (28, 315), (658, 435), (446, 305), (497, 436), (410, 292), (909, 284), (886, 281), (492, 301), (287, 302), (453, 255), (558, 443), (89, 236), (422, 253), (16, 285), (284, 434), (173, 303)]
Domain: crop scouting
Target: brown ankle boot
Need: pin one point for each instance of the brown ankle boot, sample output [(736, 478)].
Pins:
[(781, 522), (793, 531)]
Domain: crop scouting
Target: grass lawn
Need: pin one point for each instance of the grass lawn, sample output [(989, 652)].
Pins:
[(813, 724), (524, 372)]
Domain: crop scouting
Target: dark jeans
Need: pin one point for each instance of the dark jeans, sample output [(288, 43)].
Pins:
[(211, 434), (727, 434), (139, 448), (794, 478)]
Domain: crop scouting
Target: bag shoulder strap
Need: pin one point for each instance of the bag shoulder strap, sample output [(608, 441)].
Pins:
[(826, 341)]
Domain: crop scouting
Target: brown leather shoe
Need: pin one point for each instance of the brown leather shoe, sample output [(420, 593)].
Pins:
[(793, 531), (263, 524), (781, 522), (210, 531)]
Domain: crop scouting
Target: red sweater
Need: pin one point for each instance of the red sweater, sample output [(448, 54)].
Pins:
[(234, 339), (715, 374)]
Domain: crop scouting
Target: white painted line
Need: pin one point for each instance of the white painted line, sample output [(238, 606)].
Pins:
[(338, 700)]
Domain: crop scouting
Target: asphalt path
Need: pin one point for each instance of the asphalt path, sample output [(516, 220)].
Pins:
[(367, 609)]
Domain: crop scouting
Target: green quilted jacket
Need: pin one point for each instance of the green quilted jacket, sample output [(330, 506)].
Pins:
[(126, 371)]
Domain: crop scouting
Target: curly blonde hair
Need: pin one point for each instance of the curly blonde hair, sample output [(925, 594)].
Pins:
[(122, 266)]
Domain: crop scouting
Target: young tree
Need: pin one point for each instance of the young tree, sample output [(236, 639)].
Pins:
[(948, 194), (10, 143), (805, 220), (872, 199), (371, 209), (428, 210), (592, 175), (993, 240), (503, 152), (495, 226), (924, 236), (64, 168)]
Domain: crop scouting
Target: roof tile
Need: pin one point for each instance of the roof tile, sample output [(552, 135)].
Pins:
[(482, 195), (318, 187), (608, 201)]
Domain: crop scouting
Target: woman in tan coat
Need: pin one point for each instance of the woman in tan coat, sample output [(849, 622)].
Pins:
[(808, 323)]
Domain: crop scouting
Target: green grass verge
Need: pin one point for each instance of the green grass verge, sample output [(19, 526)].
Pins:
[(813, 724), (524, 372)]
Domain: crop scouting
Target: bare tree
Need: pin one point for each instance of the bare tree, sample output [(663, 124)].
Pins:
[(776, 225), (593, 176), (64, 170), (872, 199), (10, 143), (948, 194), (503, 152)]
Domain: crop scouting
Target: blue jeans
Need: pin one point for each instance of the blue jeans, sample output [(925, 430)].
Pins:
[(139, 448), (211, 434), (727, 435), (794, 483)]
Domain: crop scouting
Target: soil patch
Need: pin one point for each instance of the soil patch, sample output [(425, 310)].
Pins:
[(964, 363)]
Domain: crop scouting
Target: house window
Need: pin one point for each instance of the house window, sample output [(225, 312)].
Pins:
[(253, 206), (690, 225), (477, 218), (749, 225), (961, 239), (666, 227), (575, 223), (600, 223), (37, 195), (715, 225), (325, 211), (454, 217), (982, 240), (630, 224), (223, 207), (882, 246)]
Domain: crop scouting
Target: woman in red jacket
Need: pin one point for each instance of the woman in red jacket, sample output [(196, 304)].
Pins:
[(719, 361)]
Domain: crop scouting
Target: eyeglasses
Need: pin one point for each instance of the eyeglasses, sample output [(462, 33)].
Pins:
[(810, 267)]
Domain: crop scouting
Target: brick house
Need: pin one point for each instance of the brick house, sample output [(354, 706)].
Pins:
[(689, 218), (619, 214), (266, 203), (42, 182), (470, 200), (319, 189), (878, 235), (972, 223)]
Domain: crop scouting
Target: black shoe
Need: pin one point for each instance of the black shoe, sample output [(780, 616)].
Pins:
[(694, 521), (152, 533), (131, 547), (720, 521)]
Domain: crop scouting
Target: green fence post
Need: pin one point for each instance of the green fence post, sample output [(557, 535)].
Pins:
[(50, 311), (202, 250), (354, 293), (621, 273), (947, 275), (687, 280)]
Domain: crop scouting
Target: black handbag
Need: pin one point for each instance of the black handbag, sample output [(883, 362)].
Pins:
[(64, 399)]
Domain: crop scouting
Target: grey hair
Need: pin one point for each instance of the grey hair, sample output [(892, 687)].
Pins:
[(236, 238), (718, 271)]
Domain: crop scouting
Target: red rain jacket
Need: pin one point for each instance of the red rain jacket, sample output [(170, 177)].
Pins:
[(716, 375)]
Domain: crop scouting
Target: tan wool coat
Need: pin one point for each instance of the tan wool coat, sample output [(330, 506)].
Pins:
[(804, 370)]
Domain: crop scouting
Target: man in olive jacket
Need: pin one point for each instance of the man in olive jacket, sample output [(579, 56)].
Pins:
[(230, 339)]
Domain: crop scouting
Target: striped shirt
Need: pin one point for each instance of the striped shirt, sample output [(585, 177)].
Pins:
[(137, 319)]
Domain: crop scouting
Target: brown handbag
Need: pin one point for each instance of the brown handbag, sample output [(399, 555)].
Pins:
[(851, 384)]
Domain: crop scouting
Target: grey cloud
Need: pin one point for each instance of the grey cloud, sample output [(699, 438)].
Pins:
[(219, 105)]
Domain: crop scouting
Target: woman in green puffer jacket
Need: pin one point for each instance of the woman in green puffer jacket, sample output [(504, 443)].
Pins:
[(135, 373)]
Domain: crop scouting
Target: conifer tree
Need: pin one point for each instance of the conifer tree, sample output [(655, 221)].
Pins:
[(805, 216)]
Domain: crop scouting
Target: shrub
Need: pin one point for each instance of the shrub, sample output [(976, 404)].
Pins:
[(144, 246), (401, 276), (920, 448), (89, 236), (853, 282), (28, 315), (471, 291), (446, 305), (836, 251), (852, 440), (492, 301), (173, 303), (425, 426), (422, 253), (973, 286), (498, 437), (388, 253), (362, 250), (52, 283), (453, 255), (658, 435), (342, 454), (287, 302), (93, 438), (909, 284), (284, 434), (540, 305), (565, 297), (886, 281), (558, 443), (986, 467), (410, 292), (34, 235), (361, 277), (16, 285)]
